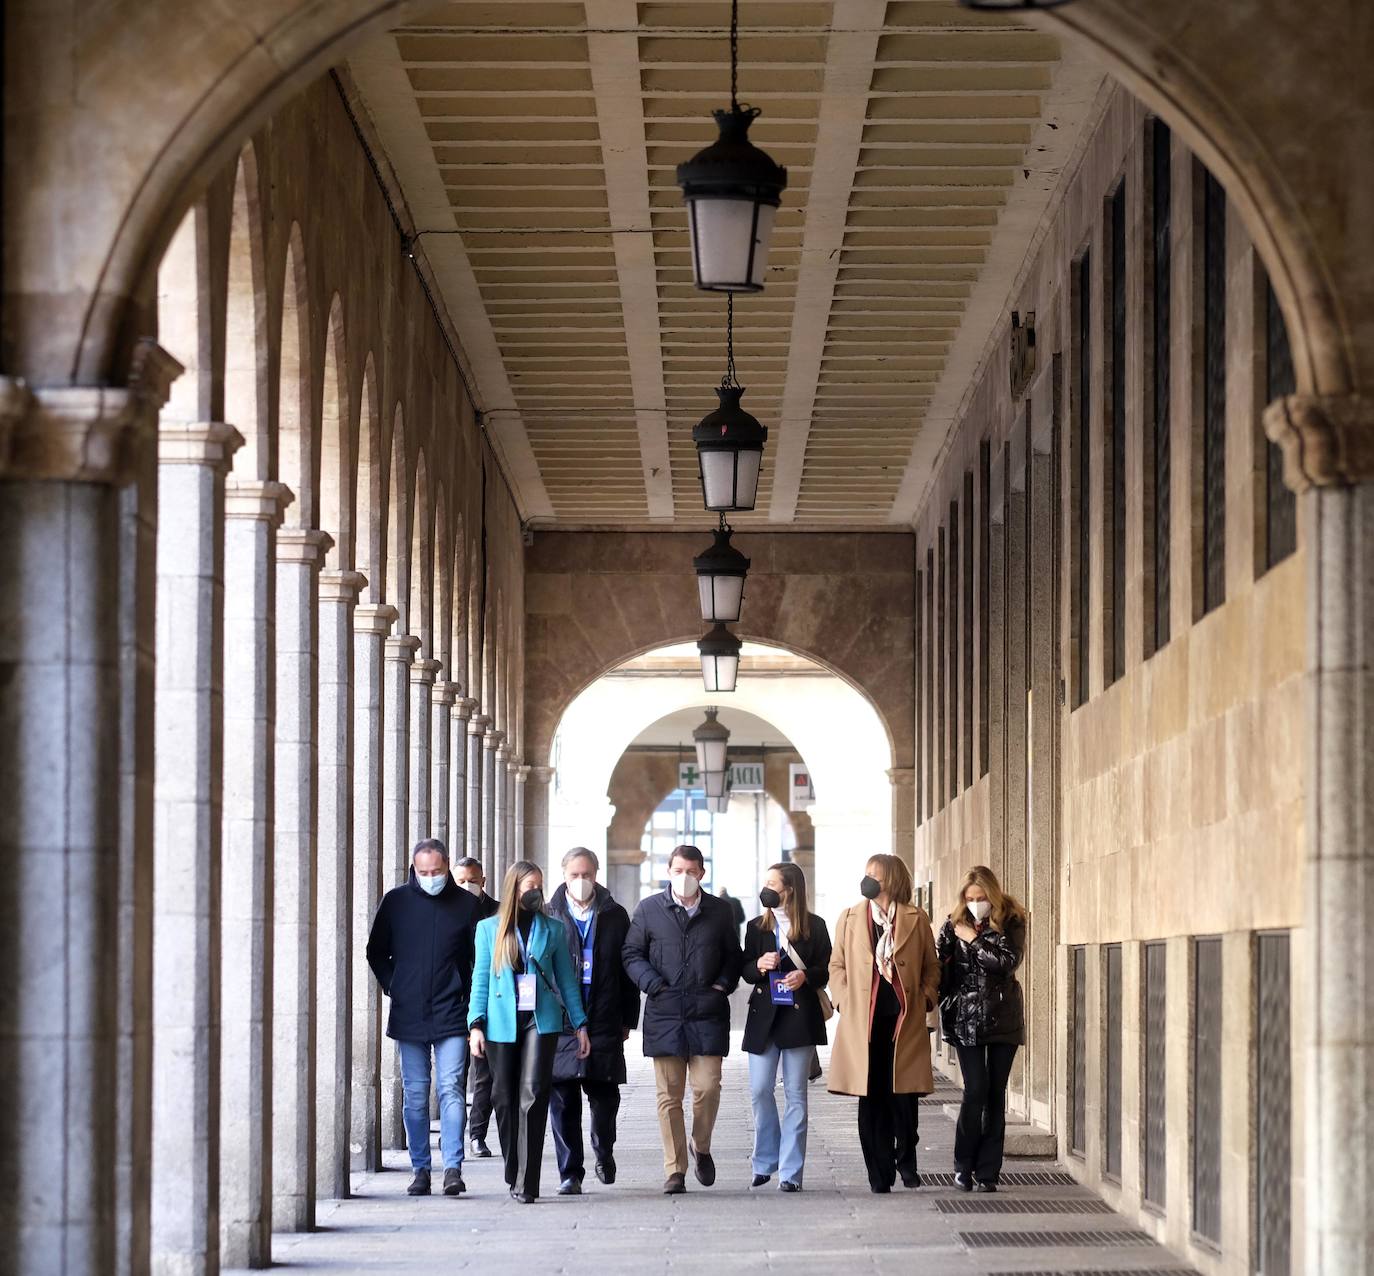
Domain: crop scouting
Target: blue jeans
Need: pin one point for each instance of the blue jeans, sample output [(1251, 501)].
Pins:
[(780, 1147), (451, 1068)]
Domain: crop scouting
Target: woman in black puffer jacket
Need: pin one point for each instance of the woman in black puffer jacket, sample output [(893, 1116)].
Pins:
[(982, 1015)]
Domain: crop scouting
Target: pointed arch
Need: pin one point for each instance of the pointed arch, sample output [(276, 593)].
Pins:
[(336, 454), (296, 455), (441, 594), (421, 557), (247, 384), (367, 502), (398, 525), (184, 317)]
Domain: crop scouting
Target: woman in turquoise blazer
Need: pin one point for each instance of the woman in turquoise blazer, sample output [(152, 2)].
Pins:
[(523, 984)]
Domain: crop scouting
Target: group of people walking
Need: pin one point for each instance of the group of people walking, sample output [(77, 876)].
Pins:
[(535, 998)]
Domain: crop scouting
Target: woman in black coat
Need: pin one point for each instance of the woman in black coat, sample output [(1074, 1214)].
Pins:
[(983, 1017), (596, 927), (787, 959)]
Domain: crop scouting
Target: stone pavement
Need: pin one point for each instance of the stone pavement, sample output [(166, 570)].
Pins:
[(836, 1224)]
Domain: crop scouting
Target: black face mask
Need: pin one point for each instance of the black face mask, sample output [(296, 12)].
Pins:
[(532, 900), (769, 898), (870, 888)]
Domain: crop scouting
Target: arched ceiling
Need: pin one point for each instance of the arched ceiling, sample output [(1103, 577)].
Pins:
[(533, 145)]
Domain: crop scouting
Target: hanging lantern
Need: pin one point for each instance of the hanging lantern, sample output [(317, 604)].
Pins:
[(719, 659), (711, 738), (719, 805), (715, 784), (732, 190), (729, 453), (720, 579)]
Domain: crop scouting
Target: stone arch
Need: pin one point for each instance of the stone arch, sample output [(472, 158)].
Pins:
[(367, 475), (441, 590), (456, 611), (296, 455), (336, 437), (421, 603), (184, 320), (397, 585), (247, 384)]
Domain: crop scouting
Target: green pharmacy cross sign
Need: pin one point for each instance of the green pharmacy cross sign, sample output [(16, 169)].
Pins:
[(745, 777)]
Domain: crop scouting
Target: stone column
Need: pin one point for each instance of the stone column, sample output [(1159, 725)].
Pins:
[(491, 742), (512, 853), (501, 810), (536, 847), (253, 511), (442, 700), (399, 652), (622, 874), (300, 554), (477, 730), (903, 780), (188, 740), (334, 883), (1328, 447), (459, 717), (423, 674), (371, 624), (520, 775)]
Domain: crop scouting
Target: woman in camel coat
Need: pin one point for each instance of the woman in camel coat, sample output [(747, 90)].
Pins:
[(884, 978)]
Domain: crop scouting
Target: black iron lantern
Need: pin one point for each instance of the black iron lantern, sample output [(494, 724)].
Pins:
[(712, 739), (732, 190), (720, 578), (729, 441), (714, 783), (719, 659)]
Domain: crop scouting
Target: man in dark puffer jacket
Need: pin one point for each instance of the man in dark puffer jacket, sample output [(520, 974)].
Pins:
[(683, 952), (421, 949)]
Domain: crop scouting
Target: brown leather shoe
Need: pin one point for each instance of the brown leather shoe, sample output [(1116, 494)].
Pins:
[(705, 1168), (675, 1185)]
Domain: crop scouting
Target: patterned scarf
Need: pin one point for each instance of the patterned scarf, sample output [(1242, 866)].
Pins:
[(882, 950)]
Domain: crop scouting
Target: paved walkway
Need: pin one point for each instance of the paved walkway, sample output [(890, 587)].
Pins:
[(836, 1224)]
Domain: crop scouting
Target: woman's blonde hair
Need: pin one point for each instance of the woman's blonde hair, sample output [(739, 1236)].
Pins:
[(1004, 907), (505, 951), (798, 916), (896, 878)]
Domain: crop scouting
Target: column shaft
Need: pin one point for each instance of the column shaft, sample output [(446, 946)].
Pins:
[(295, 850), (477, 729), (422, 677), (441, 708), (491, 860), (187, 839), (536, 848), (253, 511), (459, 718), (371, 624), (519, 850), (334, 884), (500, 851)]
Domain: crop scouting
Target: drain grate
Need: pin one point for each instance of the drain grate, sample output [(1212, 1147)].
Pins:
[(1046, 1240), (1017, 1178), (1080, 1205)]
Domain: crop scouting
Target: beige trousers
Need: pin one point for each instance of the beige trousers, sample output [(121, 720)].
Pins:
[(670, 1080)]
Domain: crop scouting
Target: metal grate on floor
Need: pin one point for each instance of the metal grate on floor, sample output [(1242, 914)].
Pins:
[(1081, 1205), (1017, 1178), (1065, 1240)]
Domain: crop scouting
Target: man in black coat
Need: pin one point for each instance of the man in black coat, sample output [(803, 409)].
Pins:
[(421, 949), (467, 872), (683, 953), (596, 927)]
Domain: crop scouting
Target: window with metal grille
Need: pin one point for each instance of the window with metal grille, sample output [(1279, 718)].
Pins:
[(1111, 1099), (954, 648), (1281, 505), (984, 539), (1154, 1121), (941, 752), (1213, 393), (1116, 489), (1078, 1061), (932, 642), (1207, 1012), (1082, 594), (968, 628), (1161, 197), (1273, 1107)]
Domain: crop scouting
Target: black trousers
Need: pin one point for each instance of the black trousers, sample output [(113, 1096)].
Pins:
[(982, 1126), (521, 1082), (565, 1115), (889, 1124), (479, 1106)]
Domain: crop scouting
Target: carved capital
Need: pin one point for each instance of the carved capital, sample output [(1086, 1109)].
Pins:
[(494, 739), (303, 545), (401, 647), (463, 707), (425, 671), (541, 774), (374, 618), (84, 434), (446, 693), (1327, 440), (479, 724), (902, 777), (522, 774), (341, 586), (254, 499), (208, 443)]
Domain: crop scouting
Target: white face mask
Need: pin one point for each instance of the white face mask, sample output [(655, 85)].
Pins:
[(581, 889), (472, 888), (432, 885), (980, 908), (685, 885)]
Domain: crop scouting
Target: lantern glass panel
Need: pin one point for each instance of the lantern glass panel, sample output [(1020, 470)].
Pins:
[(719, 673), (711, 755), (722, 597), (715, 783), (730, 477), (730, 238)]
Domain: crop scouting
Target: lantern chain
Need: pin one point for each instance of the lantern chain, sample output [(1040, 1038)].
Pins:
[(734, 54), (729, 380)]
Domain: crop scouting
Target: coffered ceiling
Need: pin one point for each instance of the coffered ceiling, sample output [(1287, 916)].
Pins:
[(535, 144)]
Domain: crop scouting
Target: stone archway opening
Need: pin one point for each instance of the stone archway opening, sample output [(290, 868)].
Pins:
[(808, 712)]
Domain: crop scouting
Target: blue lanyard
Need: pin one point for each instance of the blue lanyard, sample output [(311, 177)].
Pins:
[(520, 938)]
